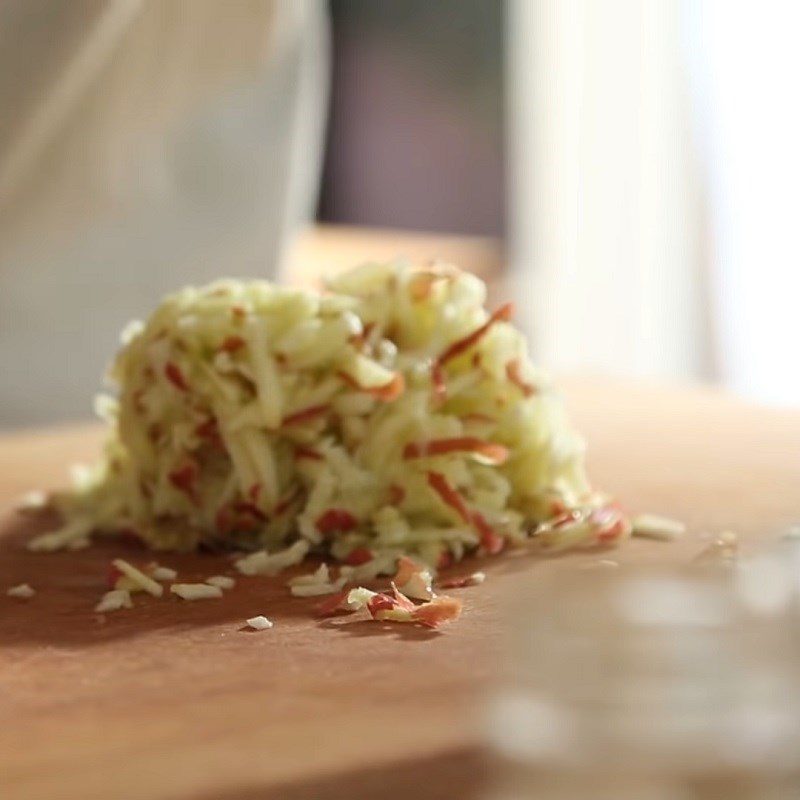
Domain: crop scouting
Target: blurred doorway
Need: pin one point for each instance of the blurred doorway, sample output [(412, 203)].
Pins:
[(416, 125)]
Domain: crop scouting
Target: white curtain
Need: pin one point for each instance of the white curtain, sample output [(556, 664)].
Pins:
[(653, 159), (745, 65)]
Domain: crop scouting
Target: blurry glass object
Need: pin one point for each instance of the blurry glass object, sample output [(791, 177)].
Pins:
[(604, 231), (653, 686), (143, 145), (416, 129)]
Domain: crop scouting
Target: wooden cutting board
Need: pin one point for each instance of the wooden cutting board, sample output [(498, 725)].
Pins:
[(174, 700)]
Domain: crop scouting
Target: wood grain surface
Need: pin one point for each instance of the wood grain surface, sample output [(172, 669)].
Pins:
[(175, 700)]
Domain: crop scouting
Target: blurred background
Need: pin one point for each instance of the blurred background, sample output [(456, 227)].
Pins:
[(632, 171), (416, 130)]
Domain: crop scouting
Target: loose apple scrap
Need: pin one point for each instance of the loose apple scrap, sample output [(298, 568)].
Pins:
[(23, 591), (221, 581), (316, 583), (475, 579), (654, 526), (124, 580), (394, 607), (722, 549), (114, 601), (123, 575), (601, 525), (159, 573), (139, 580), (415, 580), (259, 623), (196, 591)]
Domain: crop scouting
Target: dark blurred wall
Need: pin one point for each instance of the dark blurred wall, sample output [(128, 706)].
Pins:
[(416, 127)]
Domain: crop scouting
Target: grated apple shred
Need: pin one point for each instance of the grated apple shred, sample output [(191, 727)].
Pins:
[(259, 623), (394, 607), (390, 416), (23, 591), (196, 591), (114, 600)]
